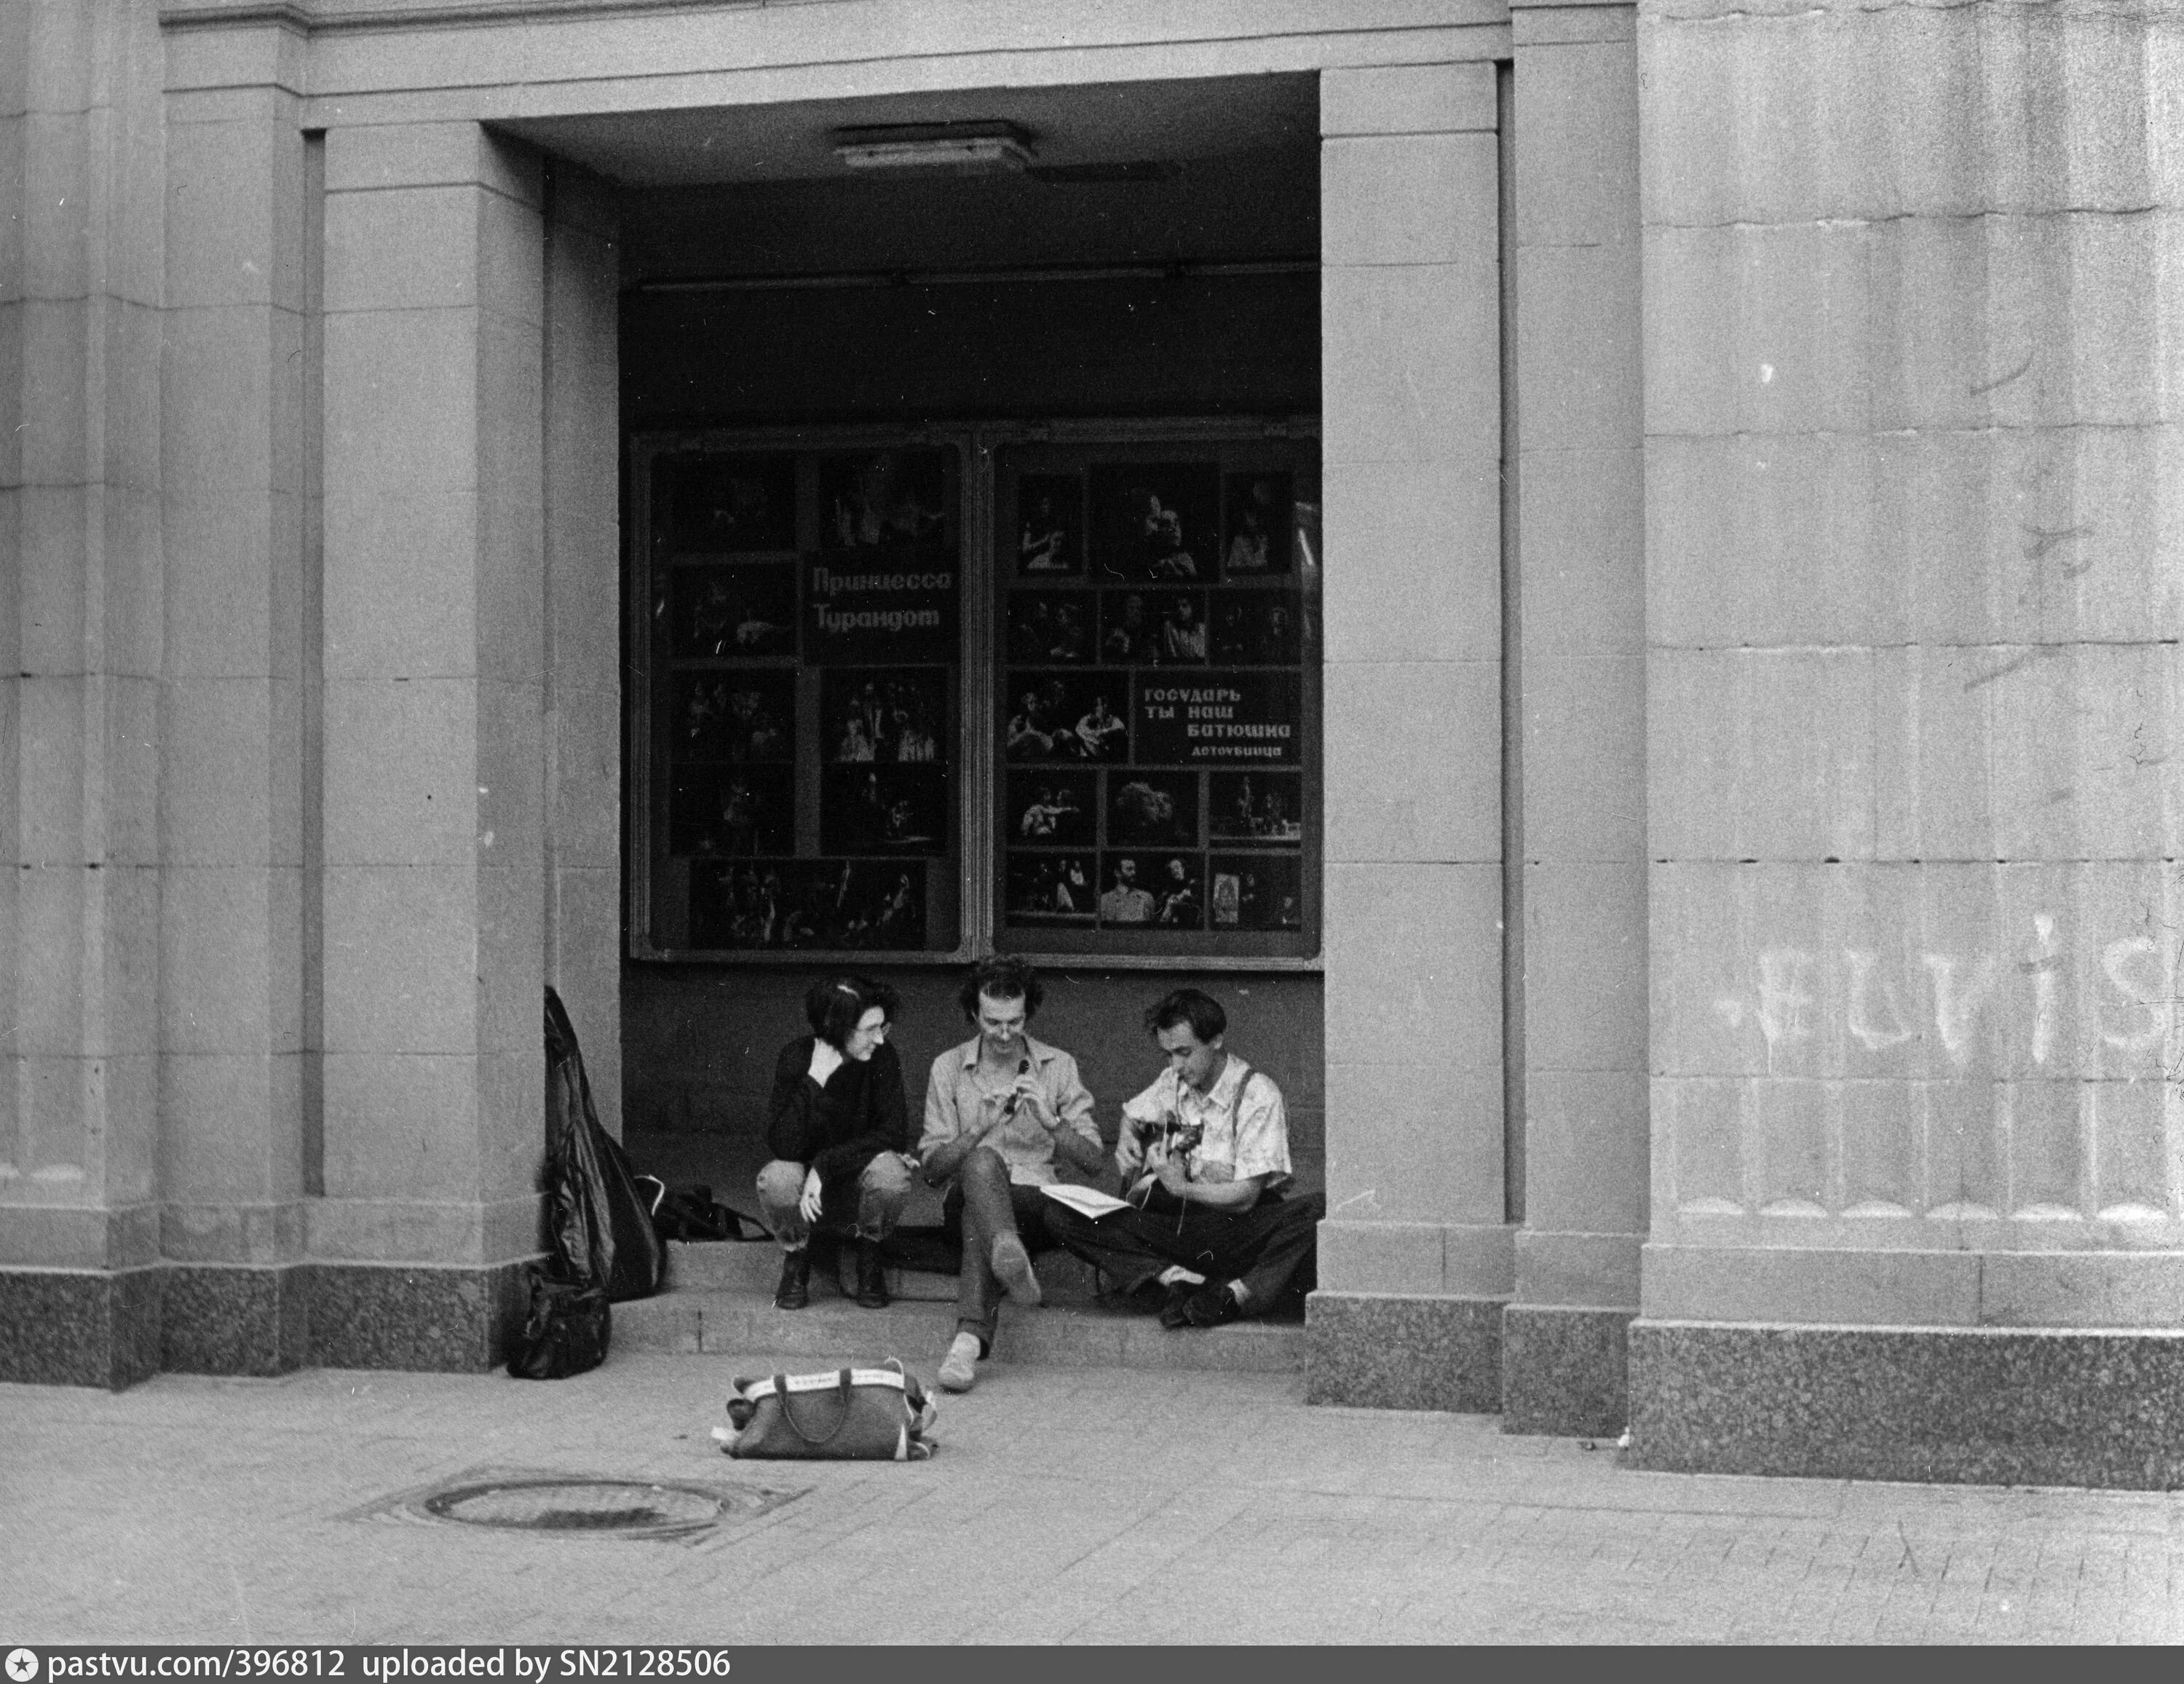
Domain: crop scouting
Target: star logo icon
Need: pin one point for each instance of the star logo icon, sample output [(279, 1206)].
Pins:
[(22, 1666)]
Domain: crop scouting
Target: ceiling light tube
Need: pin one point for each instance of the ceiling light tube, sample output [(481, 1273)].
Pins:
[(960, 148)]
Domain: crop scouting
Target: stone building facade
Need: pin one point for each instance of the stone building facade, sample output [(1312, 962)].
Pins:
[(1746, 996)]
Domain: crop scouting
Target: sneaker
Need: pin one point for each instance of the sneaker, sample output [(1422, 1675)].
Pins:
[(959, 1368), (1210, 1306), (1012, 1264)]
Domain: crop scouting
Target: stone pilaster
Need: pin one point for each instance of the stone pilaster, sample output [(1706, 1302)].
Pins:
[(1912, 382), (79, 714), (434, 660), (237, 756), (1416, 1236), (1582, 757)]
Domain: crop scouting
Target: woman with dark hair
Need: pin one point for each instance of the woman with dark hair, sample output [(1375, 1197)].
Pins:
[(838, 1128)]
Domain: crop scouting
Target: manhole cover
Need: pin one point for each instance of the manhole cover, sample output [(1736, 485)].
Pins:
[(579, 1505)]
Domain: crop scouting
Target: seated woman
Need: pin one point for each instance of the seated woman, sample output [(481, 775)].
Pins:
[(837, 1127)]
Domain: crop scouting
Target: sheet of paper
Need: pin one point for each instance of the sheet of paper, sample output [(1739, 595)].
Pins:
[(1091, 1201)]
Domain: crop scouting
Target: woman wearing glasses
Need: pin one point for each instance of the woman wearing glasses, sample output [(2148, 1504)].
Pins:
[(837, 1127)]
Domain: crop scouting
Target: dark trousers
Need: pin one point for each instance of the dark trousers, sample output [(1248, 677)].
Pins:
[(985, 1204), (1264, 1246)]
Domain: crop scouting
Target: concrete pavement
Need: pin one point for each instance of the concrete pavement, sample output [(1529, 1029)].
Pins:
[(1077, 1505)]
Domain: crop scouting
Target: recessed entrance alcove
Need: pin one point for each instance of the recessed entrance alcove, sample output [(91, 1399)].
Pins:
[(1138, 281)]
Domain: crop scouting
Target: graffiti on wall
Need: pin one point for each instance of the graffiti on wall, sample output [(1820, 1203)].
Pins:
[(2045, 1001), (2034, 1073)]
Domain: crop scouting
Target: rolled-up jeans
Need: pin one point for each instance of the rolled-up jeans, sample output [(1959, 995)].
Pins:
[(882, 1187), (985, 1204)]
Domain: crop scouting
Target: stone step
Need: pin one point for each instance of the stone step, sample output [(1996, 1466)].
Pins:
[(753, 1267), (833, 1332)]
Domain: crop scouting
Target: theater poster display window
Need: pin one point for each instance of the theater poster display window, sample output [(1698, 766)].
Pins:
[(920, 695), (800, 657), (1156, 709)]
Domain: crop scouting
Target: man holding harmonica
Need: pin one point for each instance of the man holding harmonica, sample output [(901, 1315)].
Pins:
[(1203, 1154), (999, 1111)]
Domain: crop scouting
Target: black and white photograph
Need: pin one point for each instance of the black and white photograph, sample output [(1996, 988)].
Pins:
[(885, 499), (878, 825), (1066, 717), (1050, 888), (1157, 889), (1050, 809), (1255, 532), (849, 903), (1049, 526), (1257, 628), (1255, 891), (1157, 522), (733, 811), (883, 809), (1255, 809), (1152, 809), (889, 715), (1153, 627), (746, 611), (1048, 626), (735, 716), (725, 505)]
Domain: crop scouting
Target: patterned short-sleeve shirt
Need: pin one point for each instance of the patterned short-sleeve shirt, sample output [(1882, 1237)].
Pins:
[(1236, 1130)]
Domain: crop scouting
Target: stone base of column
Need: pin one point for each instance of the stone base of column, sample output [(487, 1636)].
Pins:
[(1989, 1406), (232, 1319), (112, 1328), (1386, 1351), (80, 1327), (414, 1316), (1564, 1370)]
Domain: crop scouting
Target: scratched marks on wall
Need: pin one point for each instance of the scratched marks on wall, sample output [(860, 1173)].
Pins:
[(1985, 752)]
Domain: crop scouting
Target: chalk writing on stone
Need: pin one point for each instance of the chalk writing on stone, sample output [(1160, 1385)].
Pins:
[(2043, 995)]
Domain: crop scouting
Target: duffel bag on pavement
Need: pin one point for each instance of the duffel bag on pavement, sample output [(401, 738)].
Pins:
[(859, 1414), (565, 1330)]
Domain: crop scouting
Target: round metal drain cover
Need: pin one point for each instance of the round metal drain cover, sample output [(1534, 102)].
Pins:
[(622, 1507)]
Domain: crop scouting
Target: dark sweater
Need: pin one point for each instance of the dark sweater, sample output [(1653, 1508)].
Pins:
[(840, 1128)]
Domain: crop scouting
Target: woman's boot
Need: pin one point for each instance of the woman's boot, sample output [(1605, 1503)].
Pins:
[(794, 1292), (871, 1276)]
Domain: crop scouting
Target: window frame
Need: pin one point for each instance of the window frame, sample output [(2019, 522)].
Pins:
[(981, 770)]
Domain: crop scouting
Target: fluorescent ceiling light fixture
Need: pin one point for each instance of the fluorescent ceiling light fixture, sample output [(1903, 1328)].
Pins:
[(959, 147)]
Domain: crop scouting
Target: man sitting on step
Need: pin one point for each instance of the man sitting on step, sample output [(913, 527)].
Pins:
[(1000, 1110), (1203, 1152)]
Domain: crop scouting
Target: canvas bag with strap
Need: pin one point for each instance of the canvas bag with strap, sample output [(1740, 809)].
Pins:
[(878, 1414)]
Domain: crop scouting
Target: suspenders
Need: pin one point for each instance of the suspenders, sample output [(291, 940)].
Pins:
[(1236, 1107)]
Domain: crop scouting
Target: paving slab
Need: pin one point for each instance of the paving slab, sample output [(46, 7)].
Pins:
[(1064, 1505)]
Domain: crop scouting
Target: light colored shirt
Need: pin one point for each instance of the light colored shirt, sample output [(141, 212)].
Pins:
[(1243, 1129), (960, 1095), (1121, 906)]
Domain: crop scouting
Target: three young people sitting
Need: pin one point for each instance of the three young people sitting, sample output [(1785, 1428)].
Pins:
[(1201, 1157)]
